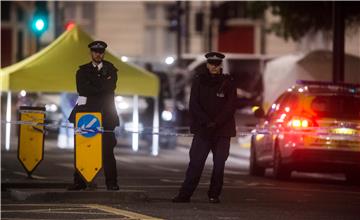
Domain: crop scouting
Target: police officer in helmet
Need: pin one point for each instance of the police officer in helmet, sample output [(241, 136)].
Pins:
[(212, 108), (96, 83)]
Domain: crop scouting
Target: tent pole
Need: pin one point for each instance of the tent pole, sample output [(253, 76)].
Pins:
[(8, 119), (135, 123), (155, 139)]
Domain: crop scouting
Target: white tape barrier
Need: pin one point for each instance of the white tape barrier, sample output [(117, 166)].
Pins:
[(164, 131)]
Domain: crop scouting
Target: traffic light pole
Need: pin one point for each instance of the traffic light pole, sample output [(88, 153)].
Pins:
[(210, 28), (37, 43), (187, 27), (178, 33), (338, 42)]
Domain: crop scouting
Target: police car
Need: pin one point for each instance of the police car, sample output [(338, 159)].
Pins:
[(312, 127)]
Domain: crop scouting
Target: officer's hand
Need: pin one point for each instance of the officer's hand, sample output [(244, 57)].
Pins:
[(209, 129)]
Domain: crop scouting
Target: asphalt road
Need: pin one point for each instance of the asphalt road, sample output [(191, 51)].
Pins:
[(305, 196)]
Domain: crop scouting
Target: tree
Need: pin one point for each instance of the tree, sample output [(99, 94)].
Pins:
[(300, 18)]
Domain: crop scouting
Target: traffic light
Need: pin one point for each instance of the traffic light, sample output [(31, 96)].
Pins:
[(39, 23), (69, 25), (172, 17)]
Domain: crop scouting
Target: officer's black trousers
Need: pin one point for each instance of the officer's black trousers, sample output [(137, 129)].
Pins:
[(109, 162), (199, 151)]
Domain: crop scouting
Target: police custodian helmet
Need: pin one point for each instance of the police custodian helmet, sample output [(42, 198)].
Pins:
[(97, 46), (214, 58)]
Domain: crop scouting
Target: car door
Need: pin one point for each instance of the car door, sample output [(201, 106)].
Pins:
[(284, 109), (270, 129)]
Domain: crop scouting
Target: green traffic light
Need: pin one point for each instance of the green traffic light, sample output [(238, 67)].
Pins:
[(39, 24)]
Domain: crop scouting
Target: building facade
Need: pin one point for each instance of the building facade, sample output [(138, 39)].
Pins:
[(146, 31), (142, 30), (17, 41)]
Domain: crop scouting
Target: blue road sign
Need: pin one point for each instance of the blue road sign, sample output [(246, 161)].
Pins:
[(89, 125)]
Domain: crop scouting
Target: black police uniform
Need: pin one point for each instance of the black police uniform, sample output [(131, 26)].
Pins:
[(98, 87), (212, 107)]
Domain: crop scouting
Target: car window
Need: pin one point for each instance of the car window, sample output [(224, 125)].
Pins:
[(285, 103), (290, 102), (337, 106), (275, 106)]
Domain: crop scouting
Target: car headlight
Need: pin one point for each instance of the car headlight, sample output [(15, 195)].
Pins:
[(166, 115)]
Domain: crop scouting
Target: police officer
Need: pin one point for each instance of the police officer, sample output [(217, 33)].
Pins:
[(96, 83), (212, 107)]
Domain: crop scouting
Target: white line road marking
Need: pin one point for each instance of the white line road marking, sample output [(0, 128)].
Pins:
[(26, 175), (259, 184), (171, 181), (129, 214), (67, 165), (242, 173), (46, 209), (242, 162), (123, 159), (165, 168)]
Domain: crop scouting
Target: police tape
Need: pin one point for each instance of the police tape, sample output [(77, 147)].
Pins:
[(241, 131)]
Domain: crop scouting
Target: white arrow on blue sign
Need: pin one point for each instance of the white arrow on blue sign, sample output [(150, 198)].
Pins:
[(89, 125)]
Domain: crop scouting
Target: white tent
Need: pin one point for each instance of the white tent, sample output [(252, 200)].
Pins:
[(283, 72)]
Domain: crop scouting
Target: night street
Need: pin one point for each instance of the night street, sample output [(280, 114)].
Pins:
[(134, 94), (148, 183)]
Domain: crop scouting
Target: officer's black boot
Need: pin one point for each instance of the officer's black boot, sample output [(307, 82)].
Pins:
[(112, 187), (78, 184), (76, 187), (214, 200), (109, 162)]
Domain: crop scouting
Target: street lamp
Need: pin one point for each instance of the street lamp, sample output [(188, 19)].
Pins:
[(169, 60)]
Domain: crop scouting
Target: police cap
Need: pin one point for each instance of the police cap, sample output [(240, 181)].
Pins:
[(97, 46), (214, 58)]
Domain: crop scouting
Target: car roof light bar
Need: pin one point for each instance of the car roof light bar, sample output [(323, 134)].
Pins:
[(323, 83)]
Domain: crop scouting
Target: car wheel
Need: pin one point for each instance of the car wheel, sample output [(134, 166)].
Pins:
[(281, 171), (255, 169), (353, 177)]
